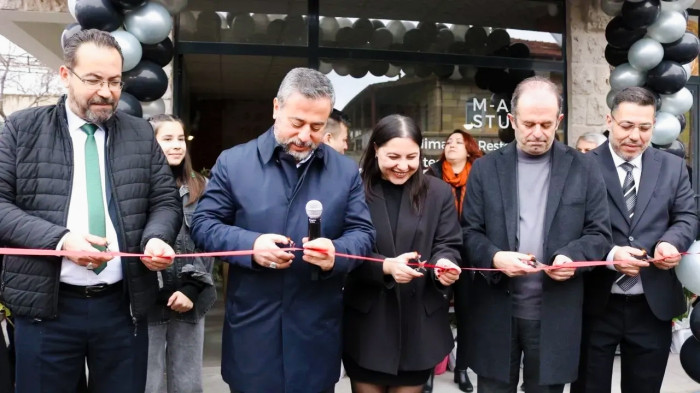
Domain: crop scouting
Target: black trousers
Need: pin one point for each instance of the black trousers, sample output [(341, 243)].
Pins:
[(7, 380), (330, 390), (461, 304), (644, 346), (525, 343), (100, 330)]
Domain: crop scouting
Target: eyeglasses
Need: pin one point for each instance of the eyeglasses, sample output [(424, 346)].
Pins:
[(629, 126), (96, 84)]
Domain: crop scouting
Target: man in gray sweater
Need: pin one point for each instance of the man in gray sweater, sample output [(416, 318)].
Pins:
[(532, 203)]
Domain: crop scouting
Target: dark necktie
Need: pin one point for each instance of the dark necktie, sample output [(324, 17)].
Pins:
[(629, 192), (93, 184)]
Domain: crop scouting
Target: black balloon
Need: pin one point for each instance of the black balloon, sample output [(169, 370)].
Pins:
[(684, 50), (130, 104), (482, 78), (682, 120), (127, 4), (519, 50), (677, 148), (615, 56), (690, 358), (498, 39), (68, 32), (364, 29), (620, 36), (641, 13), (378, 68), (443, 70), (695, 321), (423, 70), (520, 75), (160, 53), (147, 81), (98, 14), (666, 78), (507, 135), (501, 82)]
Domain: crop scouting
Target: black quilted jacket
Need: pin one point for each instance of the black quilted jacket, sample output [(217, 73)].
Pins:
[(36, 172)]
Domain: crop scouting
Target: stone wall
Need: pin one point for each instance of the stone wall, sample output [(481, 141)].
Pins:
[(35, 5), (587, 70)]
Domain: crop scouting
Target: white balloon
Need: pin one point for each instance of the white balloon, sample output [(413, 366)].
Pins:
[(459, 31), (393, 72), (677, 103), (131, 48), (455, 74), (152, 108), (397, 30), (688, 270), (328, 27), (324, 67), (645, 54), (666, 129), (71, 8), (150, 23), (344, 22), (669, 27)]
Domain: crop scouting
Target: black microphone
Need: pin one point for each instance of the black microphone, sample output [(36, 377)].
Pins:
[(314, 209)]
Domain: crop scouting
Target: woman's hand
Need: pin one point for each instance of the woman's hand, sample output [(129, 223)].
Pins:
[(398, 268), (447, 272)]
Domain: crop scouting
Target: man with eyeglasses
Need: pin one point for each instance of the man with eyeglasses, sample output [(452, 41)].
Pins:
[(652, 213), (81, 177)]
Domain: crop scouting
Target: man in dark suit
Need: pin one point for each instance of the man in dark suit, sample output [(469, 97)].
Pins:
[(652, 212), (533, 201)]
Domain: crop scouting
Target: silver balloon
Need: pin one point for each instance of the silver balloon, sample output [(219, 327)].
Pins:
[(688, 68), (625, 75), (173, 6), (666, 129), (455, 74), (459, 31), (393, 72), (611, 7), (328, 27), (150, 23), (669, 27), (324, 67), (645, 54), (131, 48), (677, 103), (261, 22), (610, 97), (397, 30), (71, 8), (152, 108), (688, 270)]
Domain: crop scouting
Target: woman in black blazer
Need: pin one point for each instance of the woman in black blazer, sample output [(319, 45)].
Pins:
[(396, 327)]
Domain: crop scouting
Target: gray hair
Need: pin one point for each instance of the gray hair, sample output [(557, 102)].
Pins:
[(594, 137), (634, 95), (307, 82), (531, 83), (99, 38)]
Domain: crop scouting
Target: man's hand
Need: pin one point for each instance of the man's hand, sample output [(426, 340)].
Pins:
[(180, 302), (513, 263), (159, 255), (324, 260), (76, 242), (272, 257), (632, 264), (447, 272), (561, 274), (398, 268), (666, 256)]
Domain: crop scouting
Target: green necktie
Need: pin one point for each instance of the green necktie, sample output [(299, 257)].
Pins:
[(93, 183)]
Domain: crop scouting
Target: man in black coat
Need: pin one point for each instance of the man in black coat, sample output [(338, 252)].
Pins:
[(80, 177), (534, 202), (653, 214)]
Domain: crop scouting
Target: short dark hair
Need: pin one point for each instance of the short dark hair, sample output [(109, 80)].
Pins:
[(99, 38), (634, 95), (340, 117), (388, 128), (534, 81)]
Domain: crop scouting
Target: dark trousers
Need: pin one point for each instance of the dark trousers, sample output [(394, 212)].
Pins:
[(330, 390), (461, 302), (525, 342), (100, 330), (644, 346), (7, 381)]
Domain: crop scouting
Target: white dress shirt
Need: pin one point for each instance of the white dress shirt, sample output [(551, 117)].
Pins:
[(637, 289), (72, 273)]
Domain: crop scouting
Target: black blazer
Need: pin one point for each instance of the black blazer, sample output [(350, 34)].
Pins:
[(374, 319), (576, 225), (665, 211)]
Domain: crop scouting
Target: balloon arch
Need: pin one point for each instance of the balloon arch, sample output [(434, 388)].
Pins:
[(141, 28)]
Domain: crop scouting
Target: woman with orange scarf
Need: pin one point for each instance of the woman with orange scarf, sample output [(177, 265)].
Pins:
[(453, 167)]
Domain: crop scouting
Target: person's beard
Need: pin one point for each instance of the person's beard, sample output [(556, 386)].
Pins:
[(298, 155), (91, 116)]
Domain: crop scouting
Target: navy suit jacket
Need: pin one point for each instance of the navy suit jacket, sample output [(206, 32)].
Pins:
[(665, 212), (576, 225)]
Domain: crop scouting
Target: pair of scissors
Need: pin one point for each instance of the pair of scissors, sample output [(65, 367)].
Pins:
[(417, 261)]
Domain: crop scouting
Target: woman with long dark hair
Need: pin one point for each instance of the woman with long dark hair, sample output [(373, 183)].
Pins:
[(176, 323), (460, 152), (396, 324)]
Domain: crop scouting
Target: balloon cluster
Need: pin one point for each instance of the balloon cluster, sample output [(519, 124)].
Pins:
[(141, 28), (648, 45), (688, 273)]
